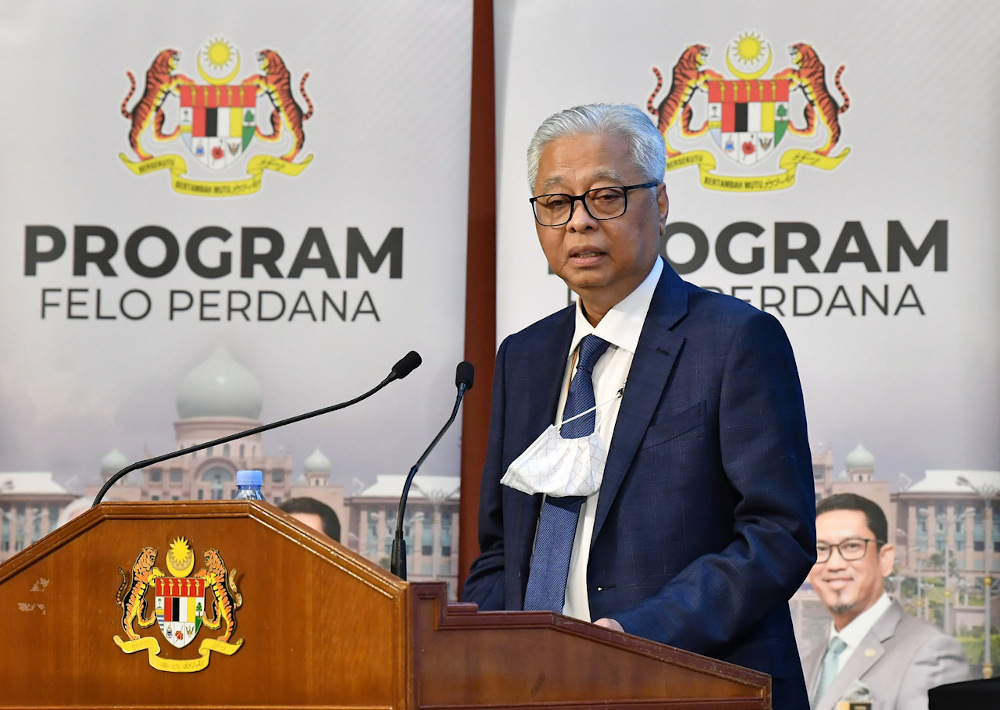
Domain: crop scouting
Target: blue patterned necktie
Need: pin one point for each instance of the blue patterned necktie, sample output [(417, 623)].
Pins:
[(557, 524)]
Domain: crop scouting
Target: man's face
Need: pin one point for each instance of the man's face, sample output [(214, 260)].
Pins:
[(601, 260), (847, 588)]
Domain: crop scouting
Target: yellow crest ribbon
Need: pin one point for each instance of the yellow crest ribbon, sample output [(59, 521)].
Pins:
[(209, 188), (789, 162), (172, 665)]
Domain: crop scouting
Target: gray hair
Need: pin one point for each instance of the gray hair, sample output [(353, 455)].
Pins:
[(646, 147)]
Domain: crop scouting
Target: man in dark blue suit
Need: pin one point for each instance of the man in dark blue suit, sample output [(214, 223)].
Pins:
[(699, 526)]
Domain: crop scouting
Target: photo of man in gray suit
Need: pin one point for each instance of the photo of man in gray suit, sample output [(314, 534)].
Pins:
[(875, 653)]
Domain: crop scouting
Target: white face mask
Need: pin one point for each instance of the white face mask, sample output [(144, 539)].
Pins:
[(560, 467)]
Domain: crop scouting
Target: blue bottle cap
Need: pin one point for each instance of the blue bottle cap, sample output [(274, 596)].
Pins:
[(249, 478)]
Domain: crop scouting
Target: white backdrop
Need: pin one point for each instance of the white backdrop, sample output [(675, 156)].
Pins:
[(918, 386), (387, 152)]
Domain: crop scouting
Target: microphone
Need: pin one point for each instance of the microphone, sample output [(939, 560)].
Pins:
[(464, 375), (407, 364)]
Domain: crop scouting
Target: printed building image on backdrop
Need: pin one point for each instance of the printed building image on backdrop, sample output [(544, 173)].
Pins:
[(218, 398)]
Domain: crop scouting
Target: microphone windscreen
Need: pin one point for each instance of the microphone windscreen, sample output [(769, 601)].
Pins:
[(407, 364), (464, 374)]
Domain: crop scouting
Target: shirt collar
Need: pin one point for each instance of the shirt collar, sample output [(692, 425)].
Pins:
[(856, 630), (622, 325)]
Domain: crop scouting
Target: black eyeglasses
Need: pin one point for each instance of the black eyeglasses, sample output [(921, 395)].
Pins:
[(851, 549), (601, 203)]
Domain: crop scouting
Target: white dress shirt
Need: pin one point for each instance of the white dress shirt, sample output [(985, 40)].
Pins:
[(621, 327)]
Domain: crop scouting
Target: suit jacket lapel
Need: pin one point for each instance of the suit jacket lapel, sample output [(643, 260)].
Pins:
[(810, 666), (864, 657), (655, 357), (541, 376)]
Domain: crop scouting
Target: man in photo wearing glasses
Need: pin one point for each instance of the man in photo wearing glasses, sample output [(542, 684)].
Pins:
[(874, 653), (676, 501)]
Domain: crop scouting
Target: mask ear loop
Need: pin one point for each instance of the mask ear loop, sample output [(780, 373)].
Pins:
[(618, 395)]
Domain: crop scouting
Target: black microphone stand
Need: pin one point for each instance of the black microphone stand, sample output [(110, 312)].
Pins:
[(397, 564), (401, 369)]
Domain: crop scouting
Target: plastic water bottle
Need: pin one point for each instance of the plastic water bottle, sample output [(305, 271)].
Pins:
[(248, 485)]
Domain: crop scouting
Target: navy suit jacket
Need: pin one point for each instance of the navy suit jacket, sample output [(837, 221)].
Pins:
[(705, 522)]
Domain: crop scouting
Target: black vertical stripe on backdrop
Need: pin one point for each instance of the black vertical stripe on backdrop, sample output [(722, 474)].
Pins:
[(212, 122), (740, 118)]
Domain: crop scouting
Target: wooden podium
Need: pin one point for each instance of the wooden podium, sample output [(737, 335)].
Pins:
[(287, 619)]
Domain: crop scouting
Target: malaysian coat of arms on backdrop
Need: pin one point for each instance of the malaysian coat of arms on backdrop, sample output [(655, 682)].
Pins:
[(219, 120), (748, 115)]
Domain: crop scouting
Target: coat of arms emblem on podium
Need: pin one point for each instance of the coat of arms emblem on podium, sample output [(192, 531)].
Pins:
[(183, 604)]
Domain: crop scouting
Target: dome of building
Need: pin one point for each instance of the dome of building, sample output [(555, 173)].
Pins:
[(860, 458), (113, 461), (317, 463), (219, 387)]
